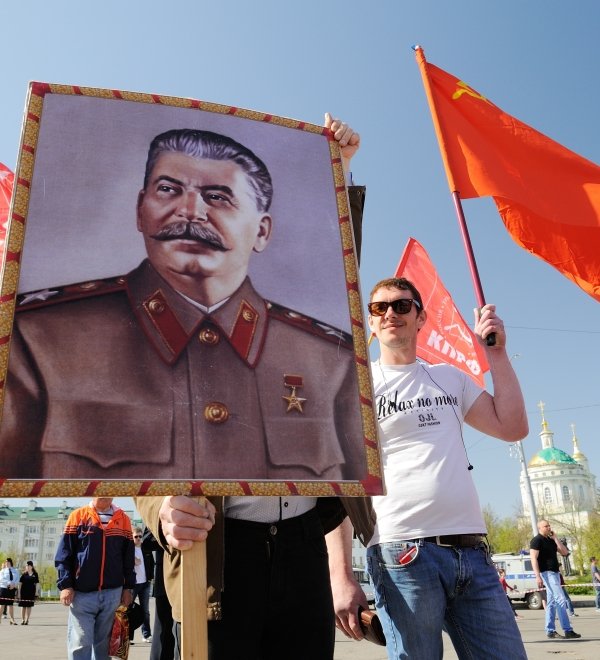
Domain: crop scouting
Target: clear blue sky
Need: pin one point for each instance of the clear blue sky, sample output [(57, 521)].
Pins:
[(538, 60)]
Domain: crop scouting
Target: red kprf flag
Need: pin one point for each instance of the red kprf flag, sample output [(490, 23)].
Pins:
[(445, 337)]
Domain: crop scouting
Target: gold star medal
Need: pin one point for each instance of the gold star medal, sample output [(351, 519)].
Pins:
[(293, 382)]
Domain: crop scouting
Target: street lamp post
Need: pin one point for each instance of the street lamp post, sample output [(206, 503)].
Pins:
[(528, 489), (526, 479)]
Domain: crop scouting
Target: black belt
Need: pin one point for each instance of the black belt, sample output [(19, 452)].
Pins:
[(457, 540), (306, 523)]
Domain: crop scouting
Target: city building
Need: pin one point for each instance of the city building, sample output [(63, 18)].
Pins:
[(562, 484), (31, 532)]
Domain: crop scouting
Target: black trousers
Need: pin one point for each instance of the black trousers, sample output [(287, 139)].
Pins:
[(277, 599), (163, 642)]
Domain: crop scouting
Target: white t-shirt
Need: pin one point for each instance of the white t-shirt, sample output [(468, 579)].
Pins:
[(430, 491), (140, 568)]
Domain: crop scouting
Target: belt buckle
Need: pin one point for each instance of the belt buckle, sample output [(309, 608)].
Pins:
[(443, 545)]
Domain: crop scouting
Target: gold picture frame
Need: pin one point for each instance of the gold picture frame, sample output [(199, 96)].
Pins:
[(72, 246)]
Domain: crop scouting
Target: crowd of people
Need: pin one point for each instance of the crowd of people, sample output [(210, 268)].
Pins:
[(22, 588)]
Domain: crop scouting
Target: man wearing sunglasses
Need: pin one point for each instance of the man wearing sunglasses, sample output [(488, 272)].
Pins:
[(428, 557)]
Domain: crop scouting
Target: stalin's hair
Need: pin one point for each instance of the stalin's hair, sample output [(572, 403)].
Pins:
[(213, 146)]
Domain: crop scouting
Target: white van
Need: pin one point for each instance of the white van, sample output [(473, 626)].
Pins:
[(519, 574)]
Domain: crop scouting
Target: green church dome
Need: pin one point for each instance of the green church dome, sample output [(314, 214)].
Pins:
[(551, 456)]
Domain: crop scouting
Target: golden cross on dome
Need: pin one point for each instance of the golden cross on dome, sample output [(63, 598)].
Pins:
[(541, 405)]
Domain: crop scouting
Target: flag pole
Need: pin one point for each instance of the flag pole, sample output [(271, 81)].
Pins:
[(464, 232), (462, 223)]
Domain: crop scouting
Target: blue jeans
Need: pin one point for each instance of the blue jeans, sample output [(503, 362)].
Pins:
[(452, 589), (557, 603), (597, 597), (91, 617), (568, 602), (142, 592)]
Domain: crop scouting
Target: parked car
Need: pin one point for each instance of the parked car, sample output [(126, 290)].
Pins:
[(520, 574)]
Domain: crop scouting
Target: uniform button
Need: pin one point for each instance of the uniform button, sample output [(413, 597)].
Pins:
[(156, 306), (273, 530), (248, 315), (216, 413), (209, 336), (286, 504)]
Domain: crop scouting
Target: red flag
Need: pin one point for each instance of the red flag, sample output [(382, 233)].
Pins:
[(445, 337), (6, 185), (548, 197)]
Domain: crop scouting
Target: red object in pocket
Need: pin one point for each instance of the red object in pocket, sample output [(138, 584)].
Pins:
[(407, 556)]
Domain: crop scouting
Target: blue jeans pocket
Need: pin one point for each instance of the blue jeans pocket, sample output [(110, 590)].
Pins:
[(398, 554)]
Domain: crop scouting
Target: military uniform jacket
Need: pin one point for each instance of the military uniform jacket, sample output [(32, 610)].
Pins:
[(331, 510), (125, 378)]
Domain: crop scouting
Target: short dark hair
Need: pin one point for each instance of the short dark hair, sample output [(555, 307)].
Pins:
[(29, 562), (213, 146), (399, 283), (592, 558)]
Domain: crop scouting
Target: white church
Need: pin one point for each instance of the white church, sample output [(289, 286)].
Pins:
[(564, 489)]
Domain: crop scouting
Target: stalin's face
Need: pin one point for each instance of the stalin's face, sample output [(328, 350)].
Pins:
[(200, 222)]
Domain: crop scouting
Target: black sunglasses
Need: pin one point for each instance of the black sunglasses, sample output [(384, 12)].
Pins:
[(400, 306), (137, 536)]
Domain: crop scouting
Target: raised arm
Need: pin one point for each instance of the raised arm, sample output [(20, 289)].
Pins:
[(560, 546), (502, 414)]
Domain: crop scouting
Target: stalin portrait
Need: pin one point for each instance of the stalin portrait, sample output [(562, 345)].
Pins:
[(180, 369)]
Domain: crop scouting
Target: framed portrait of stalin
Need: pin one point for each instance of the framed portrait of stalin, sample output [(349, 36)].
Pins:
[(180, 304)]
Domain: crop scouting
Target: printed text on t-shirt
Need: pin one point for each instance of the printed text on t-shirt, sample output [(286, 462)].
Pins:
[(389, 405)]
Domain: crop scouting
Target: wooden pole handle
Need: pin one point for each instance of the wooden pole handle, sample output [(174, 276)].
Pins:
[(194, 632)]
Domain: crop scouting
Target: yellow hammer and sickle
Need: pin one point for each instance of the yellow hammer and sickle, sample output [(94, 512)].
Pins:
[(465, 89)]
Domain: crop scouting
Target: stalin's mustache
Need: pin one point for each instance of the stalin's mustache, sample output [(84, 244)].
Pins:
[(190, 231)]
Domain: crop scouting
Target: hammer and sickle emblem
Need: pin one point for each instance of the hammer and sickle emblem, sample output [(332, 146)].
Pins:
[(465, 89)]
